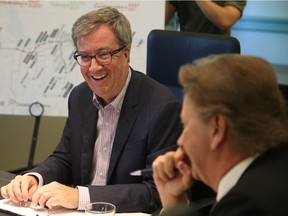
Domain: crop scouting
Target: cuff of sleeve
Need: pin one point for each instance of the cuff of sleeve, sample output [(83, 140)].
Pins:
[(38, 176), (84, 197)]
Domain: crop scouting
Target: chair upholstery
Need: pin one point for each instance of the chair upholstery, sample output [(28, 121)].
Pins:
[(168, 50), (284, 90)]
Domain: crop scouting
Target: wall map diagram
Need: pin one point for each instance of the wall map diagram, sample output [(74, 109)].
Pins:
[(36, 50)]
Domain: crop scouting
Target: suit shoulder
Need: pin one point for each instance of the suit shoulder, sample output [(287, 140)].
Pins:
[(80, 89), (81, 94)]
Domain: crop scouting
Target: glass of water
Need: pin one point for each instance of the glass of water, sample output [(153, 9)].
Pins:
[(100, 208)]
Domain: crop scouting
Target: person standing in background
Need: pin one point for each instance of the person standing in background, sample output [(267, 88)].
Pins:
[(213, 17), (235, 139), (119, 121)]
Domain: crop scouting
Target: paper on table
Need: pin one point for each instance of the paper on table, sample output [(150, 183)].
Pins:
[(21, 209), (25, 210)]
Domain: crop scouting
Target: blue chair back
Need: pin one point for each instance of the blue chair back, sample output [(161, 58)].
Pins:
[(168, 50)]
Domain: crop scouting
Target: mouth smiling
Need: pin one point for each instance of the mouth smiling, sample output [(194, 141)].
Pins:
[(99, 77)]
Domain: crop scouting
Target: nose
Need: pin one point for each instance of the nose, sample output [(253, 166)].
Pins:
[(94, 64)]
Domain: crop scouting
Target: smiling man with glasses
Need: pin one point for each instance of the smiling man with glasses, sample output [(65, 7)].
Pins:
[(119, 121)]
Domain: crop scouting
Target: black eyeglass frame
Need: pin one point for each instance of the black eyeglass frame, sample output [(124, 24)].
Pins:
[(111, 53)]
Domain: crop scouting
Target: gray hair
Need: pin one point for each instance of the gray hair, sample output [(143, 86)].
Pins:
[(108, 15)]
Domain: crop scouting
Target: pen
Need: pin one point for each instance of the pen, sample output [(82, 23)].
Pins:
[(146, 171)]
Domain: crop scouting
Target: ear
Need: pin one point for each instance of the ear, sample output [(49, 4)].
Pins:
[(218, 125), (127, 52)]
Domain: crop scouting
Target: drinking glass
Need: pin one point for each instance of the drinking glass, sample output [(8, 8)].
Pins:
[(100, 208)]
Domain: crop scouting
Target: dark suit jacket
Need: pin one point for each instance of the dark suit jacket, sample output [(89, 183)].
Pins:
[(149, 124), (261, 190)]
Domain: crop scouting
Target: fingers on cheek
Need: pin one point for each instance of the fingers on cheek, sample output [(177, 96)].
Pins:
[(155, 170), (162, 173), (158, 167), (168, 168)]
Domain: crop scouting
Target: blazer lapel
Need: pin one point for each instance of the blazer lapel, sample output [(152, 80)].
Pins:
[(88, 142), (126, 121)]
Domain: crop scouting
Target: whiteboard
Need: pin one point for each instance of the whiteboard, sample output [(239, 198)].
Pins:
[(36, 50)]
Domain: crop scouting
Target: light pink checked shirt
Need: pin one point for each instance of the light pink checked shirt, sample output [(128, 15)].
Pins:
[(106, 128)]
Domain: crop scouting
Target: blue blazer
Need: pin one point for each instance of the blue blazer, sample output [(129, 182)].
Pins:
[(149, 125)]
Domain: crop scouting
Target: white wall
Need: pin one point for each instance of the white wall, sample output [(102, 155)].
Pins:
[(263, 31)]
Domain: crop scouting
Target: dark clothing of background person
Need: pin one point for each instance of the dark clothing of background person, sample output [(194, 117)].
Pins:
[(192, 19)]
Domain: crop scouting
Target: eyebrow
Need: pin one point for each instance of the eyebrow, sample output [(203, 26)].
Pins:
[(99, 50)]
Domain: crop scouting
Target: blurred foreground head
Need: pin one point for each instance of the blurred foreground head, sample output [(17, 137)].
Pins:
[(244, 89)]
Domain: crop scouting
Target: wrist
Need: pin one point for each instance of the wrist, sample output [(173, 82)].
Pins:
[(182, 202), (170, 201)]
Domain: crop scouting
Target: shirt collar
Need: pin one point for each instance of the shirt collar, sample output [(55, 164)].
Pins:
[(232, 176), (117, 102)]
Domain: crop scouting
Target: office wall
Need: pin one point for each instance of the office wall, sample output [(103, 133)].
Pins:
[(16, 137), (263, 31)]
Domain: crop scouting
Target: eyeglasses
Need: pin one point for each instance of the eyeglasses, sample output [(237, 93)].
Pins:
[(102, 57)]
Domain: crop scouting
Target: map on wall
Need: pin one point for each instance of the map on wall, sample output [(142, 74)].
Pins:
[(36, 50)]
